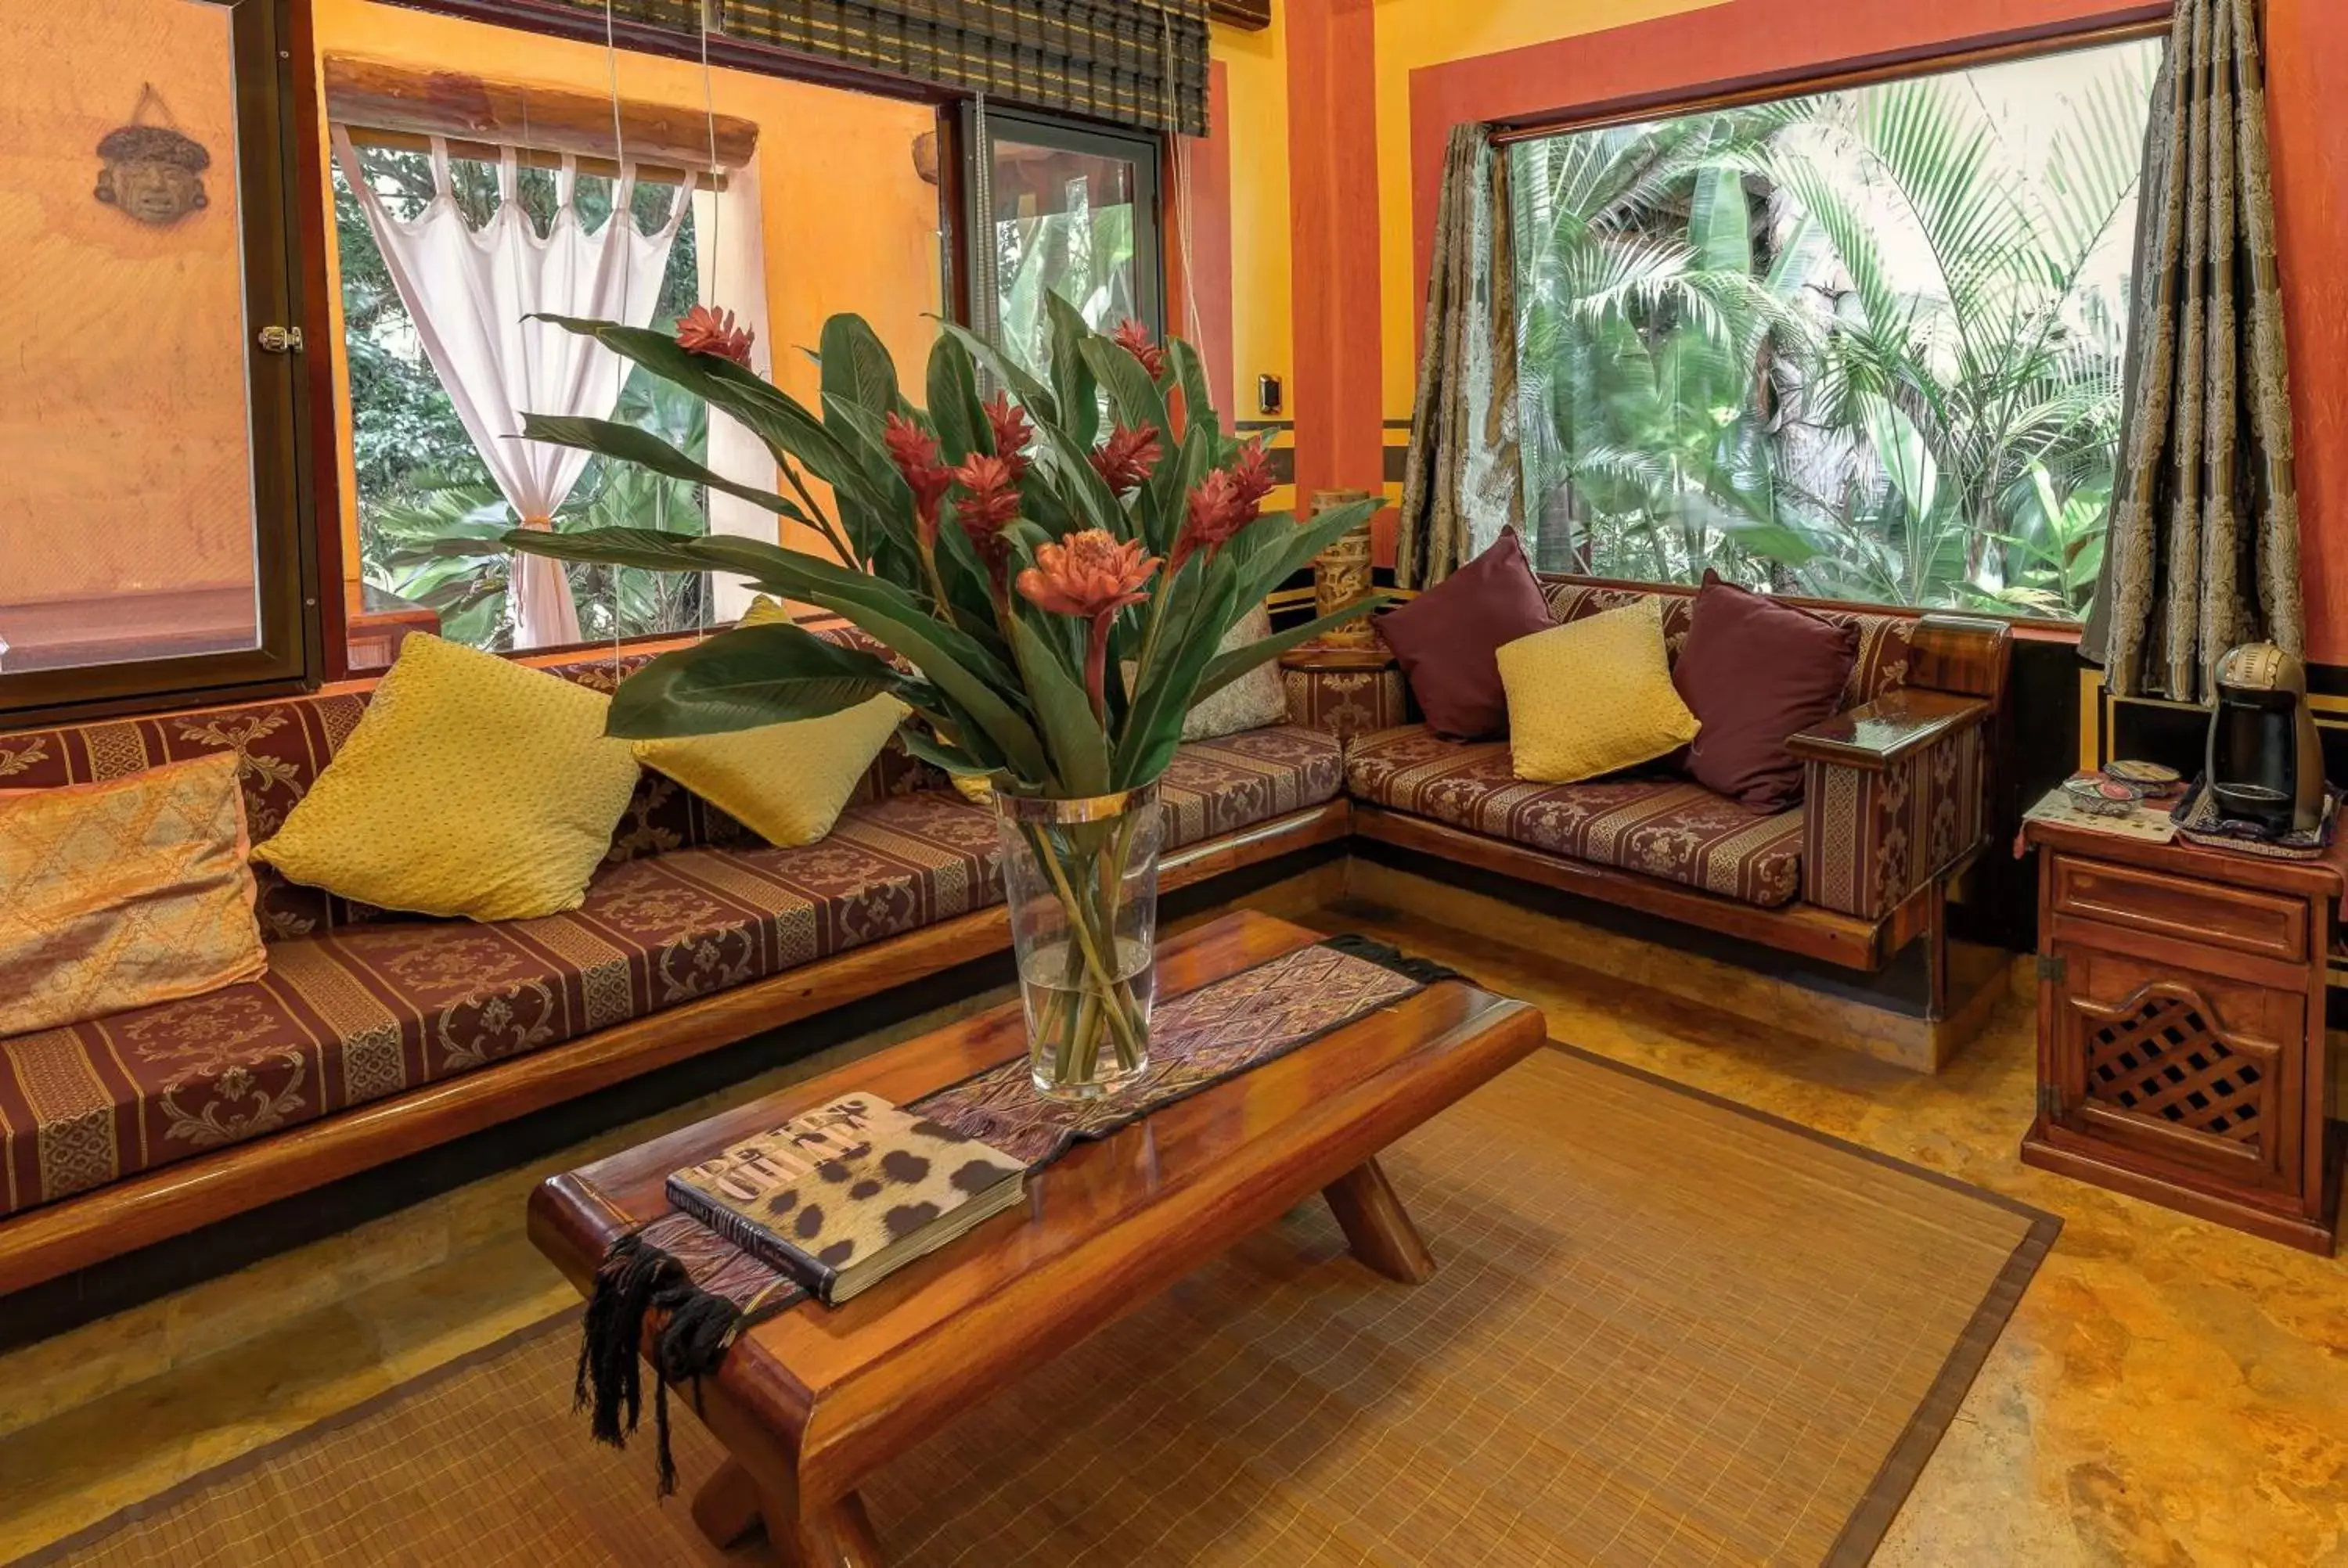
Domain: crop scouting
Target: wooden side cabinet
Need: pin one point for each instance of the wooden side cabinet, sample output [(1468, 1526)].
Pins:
[(2181, 1053)]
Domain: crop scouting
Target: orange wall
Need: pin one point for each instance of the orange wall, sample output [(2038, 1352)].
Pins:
[(1427, 65), (123, 435), (848, 223)]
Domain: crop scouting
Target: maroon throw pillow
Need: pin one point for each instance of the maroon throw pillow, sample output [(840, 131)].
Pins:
[(1755, 672), (1446, 637)]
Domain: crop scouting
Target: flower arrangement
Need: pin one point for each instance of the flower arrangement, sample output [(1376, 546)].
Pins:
[(1055, 568)]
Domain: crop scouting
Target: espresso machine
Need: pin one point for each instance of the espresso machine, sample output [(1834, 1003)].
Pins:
[(2265, 763)]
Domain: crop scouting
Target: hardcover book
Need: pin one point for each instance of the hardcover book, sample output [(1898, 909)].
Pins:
[(842, 1197)]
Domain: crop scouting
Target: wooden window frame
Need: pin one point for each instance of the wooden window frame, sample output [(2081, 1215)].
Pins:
[(971, 237), (2145, 23), (281, 221)]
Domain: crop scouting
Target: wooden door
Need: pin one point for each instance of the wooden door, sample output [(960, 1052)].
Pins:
[(2180, 1066)]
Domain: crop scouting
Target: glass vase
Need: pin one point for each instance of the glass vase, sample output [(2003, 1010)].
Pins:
[(1081, 879)]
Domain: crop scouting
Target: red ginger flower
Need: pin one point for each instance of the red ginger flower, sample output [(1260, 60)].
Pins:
[(1225, 501), (1007, 421), (704, 331), (914, 451), (1134, 338), (1252, 473), (1127, 457), (1092, 576), (989, 500)]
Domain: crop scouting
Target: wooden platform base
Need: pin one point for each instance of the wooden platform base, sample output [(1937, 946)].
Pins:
[(2320, 1237)]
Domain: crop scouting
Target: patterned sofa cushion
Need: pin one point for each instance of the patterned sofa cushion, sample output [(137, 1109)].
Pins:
[(1232, 782), (352, 1015), (1657, 827), (352, 1012), (283, 746), (1882, 665)]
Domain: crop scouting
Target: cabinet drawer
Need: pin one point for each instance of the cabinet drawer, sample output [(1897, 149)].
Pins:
[(2180, 906)]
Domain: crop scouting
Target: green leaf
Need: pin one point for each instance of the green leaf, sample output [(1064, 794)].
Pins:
[(1072, 376), (1079, 748), (954, 412), (1032, 394), (1131, 393), (770, 673), (856, 368), (952, 660), (789, 430), (939, 754), (1229, 667), (1153, 728), (1189, 373), (1274, 552), (632, 444)]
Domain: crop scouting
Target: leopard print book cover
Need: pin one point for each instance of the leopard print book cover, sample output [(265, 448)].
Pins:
[(839, 1186)]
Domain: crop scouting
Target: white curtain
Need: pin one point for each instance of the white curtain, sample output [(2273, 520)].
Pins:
[(469, 292)]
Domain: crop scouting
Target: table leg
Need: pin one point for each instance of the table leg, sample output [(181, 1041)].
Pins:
[(838, 1534), (726, 1506), (1376, 1226)]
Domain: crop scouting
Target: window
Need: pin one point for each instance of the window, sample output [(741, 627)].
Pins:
[(1073, 212), (1861, 345), (149, 422), (429, 513)]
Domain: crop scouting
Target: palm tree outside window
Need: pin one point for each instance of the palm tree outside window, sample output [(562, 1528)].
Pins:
[(1865, 344)]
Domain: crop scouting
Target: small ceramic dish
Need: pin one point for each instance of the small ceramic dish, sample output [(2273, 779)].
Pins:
[(2153, 778), (2104, 797)]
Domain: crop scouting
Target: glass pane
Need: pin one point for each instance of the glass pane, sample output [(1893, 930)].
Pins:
[(127, 524), (1064, 221), (429, 513), (1864, 346)]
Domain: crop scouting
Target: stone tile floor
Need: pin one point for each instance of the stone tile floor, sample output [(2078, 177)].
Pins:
[(2168, 1391)]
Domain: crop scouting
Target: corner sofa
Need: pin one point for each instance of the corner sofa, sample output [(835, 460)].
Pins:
[(374, 1035)]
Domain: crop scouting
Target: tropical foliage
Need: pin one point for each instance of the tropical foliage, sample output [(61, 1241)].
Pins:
[(1019, 555), (430, 521), (1865, 345)]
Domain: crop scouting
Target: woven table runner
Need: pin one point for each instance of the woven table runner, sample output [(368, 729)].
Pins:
[(711, 1289)]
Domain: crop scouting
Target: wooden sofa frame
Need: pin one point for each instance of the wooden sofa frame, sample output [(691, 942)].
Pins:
[(1957, 675), (1958, 669)]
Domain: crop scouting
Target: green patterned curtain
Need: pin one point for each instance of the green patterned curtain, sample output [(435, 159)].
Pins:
[(2203, 552), (1139, 63), (1463, 482)]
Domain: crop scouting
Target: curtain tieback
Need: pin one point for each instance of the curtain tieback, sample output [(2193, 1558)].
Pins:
[(540, 521)]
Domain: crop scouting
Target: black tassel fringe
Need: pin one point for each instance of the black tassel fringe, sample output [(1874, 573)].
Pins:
[(1425, 971), (634, 1281)]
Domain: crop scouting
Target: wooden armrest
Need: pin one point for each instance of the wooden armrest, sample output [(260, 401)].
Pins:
[(1874, 735)]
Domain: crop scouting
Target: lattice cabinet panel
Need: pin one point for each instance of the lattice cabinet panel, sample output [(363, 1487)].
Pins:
[(2182, 1051), (2163, 1058)]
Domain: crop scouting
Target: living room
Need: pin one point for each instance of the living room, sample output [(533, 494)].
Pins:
[(1172, 781)]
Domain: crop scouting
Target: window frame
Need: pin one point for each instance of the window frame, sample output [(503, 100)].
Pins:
[(282, 256), (972, 283), (1779, 86)]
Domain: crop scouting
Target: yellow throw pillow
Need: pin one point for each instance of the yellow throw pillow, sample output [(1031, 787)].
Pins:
[(124, 893), (1593, 696), (786, 783), (472, 786)]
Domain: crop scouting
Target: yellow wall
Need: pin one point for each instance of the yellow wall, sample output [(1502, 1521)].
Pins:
[(1256, 73), (848, 223), (123, 432), (1415, 33)]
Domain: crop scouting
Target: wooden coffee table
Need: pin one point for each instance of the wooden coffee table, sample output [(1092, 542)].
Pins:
[(812, 1401)]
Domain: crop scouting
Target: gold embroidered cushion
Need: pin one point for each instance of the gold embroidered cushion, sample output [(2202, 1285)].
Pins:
[(1254, 699), (1593, 696), (123, 894), (786, 783), (472, 786)]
